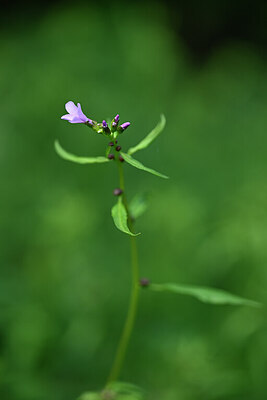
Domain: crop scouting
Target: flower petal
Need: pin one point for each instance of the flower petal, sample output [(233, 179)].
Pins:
[(71, 108), (81, 114), (67, 117), (76, 120)]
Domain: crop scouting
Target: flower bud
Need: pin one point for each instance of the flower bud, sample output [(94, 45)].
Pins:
[(114, 123), (117, 192), (118, 148), (121, 158), (111, 156), (111, 144), (105, 127), (144, 282), (123, 126)]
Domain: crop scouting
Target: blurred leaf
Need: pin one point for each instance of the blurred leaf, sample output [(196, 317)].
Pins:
[(119, 215), (126, 391), (150, 137), (76, 159), (138, 206), (130, 160), (115, 391), (90, 396), (205, 294)]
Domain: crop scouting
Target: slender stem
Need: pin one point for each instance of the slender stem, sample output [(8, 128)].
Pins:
[(131, 315)]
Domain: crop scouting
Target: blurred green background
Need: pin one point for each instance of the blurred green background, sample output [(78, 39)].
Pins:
[(65, 276)]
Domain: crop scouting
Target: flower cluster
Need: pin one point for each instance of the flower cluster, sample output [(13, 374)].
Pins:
[(76, 116)]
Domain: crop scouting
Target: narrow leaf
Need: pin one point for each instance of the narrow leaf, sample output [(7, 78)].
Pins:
[(119, 216), (137, 206), (205, 294), (76, 159), (150, 137), (130, 160)]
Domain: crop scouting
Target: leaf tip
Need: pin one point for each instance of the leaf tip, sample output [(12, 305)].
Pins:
[(163, 119)]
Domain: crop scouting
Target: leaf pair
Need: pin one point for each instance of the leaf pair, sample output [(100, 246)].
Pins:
[(204, 294), (119, 211), (127, 157)]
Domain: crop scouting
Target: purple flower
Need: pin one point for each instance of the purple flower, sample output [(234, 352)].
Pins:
[(124, 125), (104, 123), (116, 119), (75, 114)]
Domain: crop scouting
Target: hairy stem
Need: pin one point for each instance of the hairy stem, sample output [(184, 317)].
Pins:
[(131, 314)]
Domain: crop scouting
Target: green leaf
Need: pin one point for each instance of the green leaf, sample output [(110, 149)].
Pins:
[(76, 159), (130, 160), (119, 215), (205, 294), (137, 206), (150, 137)]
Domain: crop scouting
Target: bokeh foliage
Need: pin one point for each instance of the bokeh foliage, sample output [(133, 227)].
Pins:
[(64, 268)]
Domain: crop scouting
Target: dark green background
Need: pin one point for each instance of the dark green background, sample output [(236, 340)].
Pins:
[(65, 274)]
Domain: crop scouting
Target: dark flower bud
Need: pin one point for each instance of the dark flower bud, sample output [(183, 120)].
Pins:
[(118, 148), (121, 158), (111, 144), (144, 282), (117, 192), (111, 156)]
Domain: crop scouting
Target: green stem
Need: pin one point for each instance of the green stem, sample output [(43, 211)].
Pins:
[(131, 315)]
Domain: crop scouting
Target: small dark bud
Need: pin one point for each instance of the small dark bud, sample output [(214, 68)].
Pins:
[(117, 192), (144, 282), (121, 158), (116, 141), (111, 156), (111, 144), (118, 148)]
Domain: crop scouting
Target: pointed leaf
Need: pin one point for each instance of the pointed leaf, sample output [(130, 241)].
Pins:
[(205, 294), (150, 137), (76, 159), (119, 215), (130, 160), (137, 206)]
